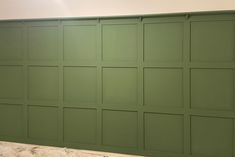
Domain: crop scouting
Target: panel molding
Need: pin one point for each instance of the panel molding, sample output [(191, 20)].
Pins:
[(126, 65)]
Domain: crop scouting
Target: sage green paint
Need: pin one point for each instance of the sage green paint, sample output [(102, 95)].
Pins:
[(43, 83), (11, 120), (82, 121), (212, 89), (212, 136), (212, 41), (42, 123), (11, 82), (42, 43), (11, 44), (158, 37), (122, 124), (80, 84), (80, 43), (163, 87), (163, 132), (117, 80), (154, 85), (119, 42)]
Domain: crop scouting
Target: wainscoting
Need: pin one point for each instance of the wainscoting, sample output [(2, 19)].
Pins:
[(155, 86)]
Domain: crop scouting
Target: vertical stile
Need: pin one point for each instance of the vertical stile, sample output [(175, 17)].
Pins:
[(99, 83), (140, 85), (25, 52), (186, 89), (61, 83), (234, 86)]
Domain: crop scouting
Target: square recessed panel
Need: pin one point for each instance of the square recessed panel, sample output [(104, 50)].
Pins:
[(163, 87), (11, 43), (43, 43), (80, 84), (120, 86), (43, 83), (43, 123), (163, 42), (212, 41), (163, 132), (119, 128), (11, 82), (212, 136), (119, 42), (11, 120), (212, 89), (80, 125), (80, 43)]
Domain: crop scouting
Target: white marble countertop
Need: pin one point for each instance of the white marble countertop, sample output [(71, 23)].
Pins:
[(10, 149)]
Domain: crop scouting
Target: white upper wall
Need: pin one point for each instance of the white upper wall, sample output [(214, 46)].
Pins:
[(28, 9)]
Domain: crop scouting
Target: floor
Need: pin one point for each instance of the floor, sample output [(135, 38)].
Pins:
[(10, 149)]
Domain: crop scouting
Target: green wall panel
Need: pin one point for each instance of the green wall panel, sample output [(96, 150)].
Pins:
[(163, 42), (212, 89), (11, 120), (11, 43), (212, 41), (43, 83), (164, 132), (119, 42), (152, 85), (163, 87), (119, 128), (120, 90), (42, 123), (80, 42), (42, 43), (80, 125), (11, 82), (80, 84), (212, 136)]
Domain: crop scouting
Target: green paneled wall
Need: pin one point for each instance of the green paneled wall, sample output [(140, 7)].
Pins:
[(157, 86)]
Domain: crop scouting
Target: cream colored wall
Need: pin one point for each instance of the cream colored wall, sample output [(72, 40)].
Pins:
[(23, 9)]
